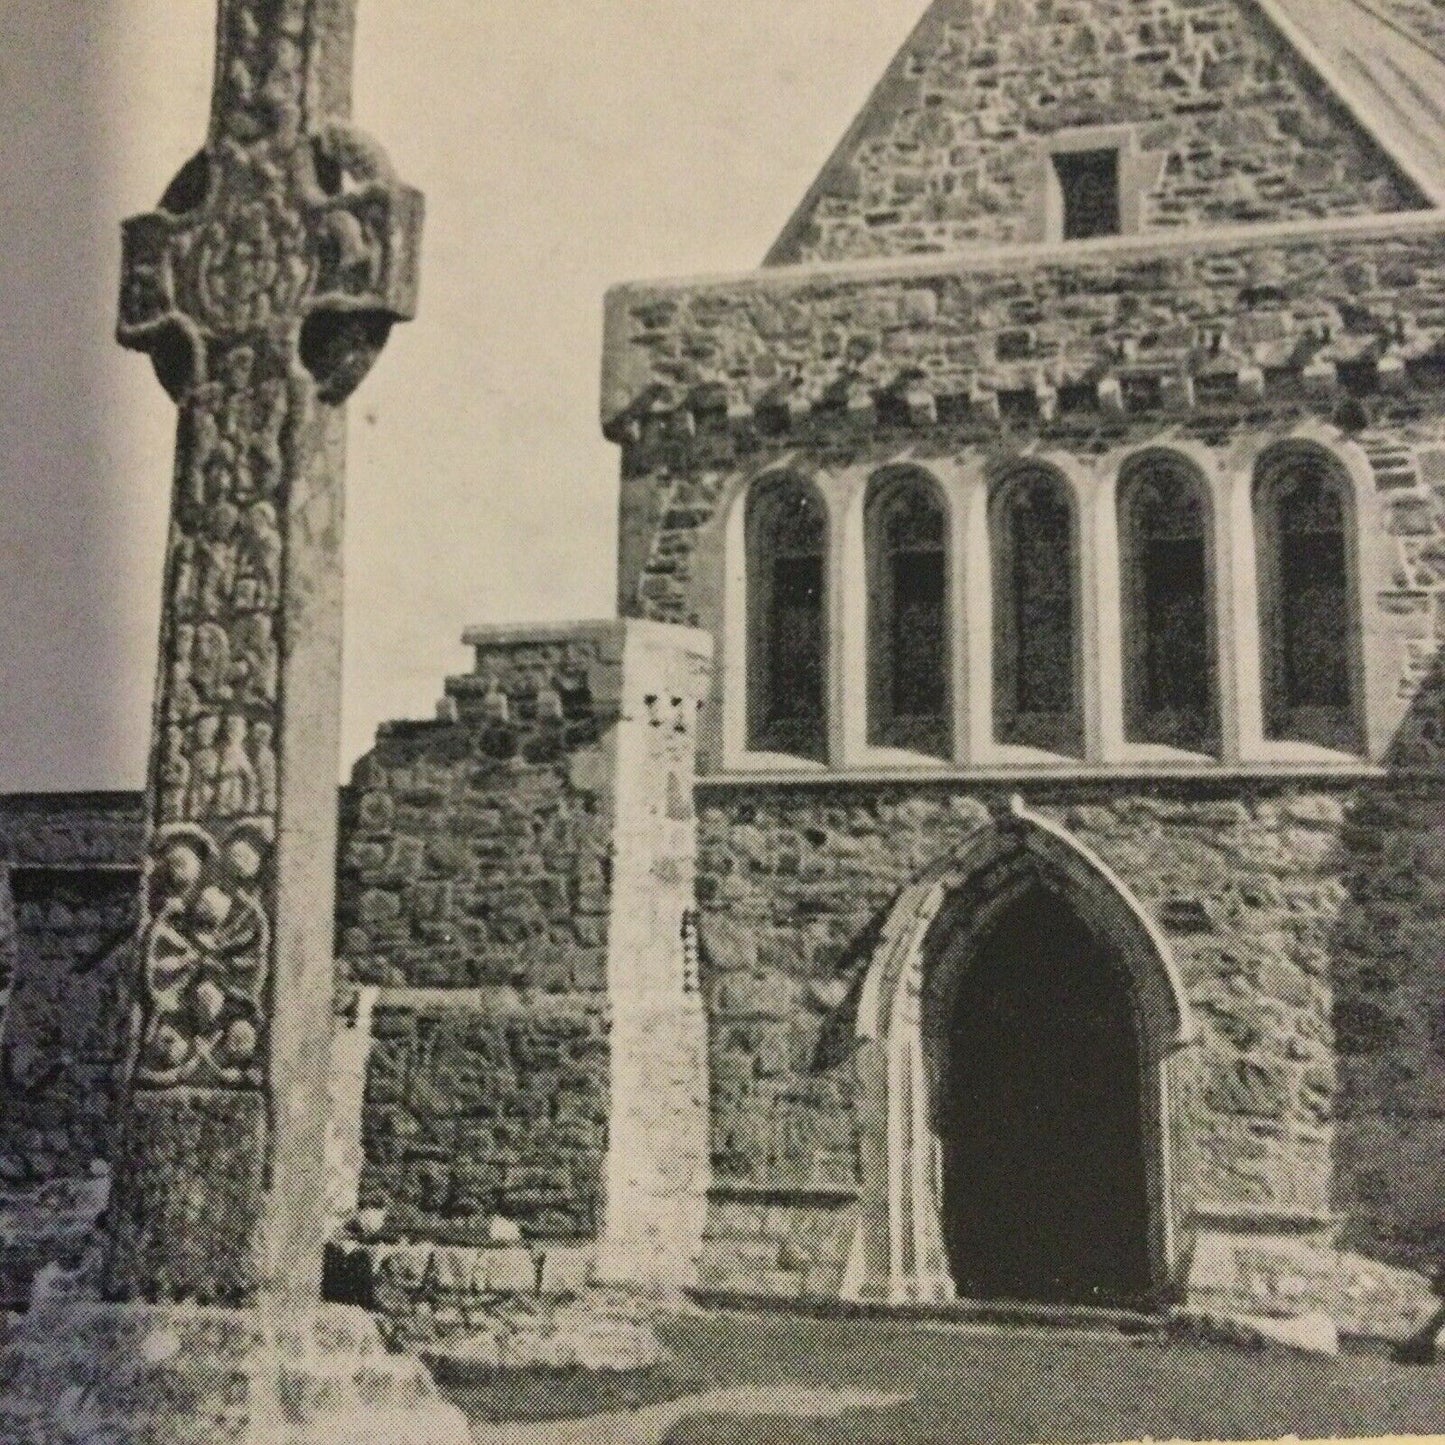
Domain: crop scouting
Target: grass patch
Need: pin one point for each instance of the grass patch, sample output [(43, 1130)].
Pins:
[(1014, 1388), (493, 1396)]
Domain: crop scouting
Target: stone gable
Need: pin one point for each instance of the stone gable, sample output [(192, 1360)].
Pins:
[(1220, 122)]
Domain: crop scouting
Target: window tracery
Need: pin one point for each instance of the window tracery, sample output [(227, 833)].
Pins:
[(1307, 613), (1166, 561)]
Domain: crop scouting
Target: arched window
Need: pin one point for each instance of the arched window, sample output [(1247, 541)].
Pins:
[(1169, 661), (787, 533), (1307, 611), (905, 528), (1036, 614)]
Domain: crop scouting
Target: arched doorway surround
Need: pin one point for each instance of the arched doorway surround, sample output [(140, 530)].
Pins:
[(899, 1253)]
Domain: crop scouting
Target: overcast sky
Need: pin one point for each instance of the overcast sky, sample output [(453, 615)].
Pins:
[(563, 145)]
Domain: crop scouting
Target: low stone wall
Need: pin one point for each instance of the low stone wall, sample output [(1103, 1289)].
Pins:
[(514, 882)]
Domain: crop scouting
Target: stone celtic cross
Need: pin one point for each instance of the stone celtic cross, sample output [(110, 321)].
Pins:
[(262, 288)]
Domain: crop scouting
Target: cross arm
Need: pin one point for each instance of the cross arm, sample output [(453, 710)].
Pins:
[(149, 318), (367, 228)]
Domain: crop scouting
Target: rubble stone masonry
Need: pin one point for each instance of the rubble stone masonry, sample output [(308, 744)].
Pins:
[(1228, 126), (1307, 923), (514, 878)]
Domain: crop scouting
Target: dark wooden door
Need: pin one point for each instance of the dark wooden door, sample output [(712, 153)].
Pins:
[(1045, 1185)]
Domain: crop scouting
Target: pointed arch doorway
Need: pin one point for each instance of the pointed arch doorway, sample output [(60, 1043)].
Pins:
[(1038, 1110), (1018, 1026)]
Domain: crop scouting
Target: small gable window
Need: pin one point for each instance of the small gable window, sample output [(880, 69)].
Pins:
[(1089, 189), (786, 560), (908, 632)]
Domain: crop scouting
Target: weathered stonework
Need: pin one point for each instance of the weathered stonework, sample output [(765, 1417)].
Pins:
[(262, 288), (56, 830), (69, 867), (50, 830), (1004, 337), (1272, 877), (61, 1043), (196, 1375), (514, 879), (634, 991), (1271, 898), (1231, 128), (474, 1111), (476, 850), (474, 891)]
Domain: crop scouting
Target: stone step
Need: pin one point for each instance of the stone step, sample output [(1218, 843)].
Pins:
[(1394, 465), (1094, 1319)]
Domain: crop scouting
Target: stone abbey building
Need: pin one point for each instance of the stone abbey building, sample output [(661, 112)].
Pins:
[(999, 851)]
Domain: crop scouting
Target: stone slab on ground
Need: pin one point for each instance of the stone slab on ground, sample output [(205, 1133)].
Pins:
[(79, 1371), (597, 1332), (1311, 1334), (1282, 1276)]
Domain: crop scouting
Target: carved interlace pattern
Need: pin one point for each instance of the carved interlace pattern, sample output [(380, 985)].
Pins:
[(253, 240), (247, 265), (261, 68), (208, 926)]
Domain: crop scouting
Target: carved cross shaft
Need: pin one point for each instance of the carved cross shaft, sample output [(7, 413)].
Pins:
[(263, 288)]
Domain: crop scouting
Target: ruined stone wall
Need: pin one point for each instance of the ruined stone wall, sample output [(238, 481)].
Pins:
[(1306, 923), (515, 878), (474, 888), (1233, 128), (69, 881), (495, 1109)]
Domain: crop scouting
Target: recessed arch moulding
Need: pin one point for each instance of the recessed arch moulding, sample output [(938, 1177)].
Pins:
[(841, 923), (932, 934)]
